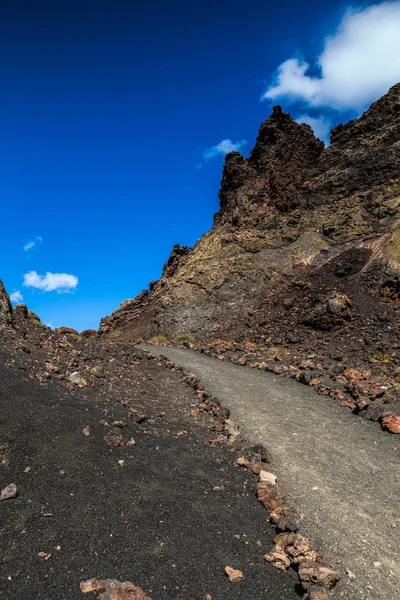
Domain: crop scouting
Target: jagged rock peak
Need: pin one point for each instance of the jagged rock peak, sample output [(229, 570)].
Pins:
[(279, 134), (289, 167), (5, 306), (281, 160)]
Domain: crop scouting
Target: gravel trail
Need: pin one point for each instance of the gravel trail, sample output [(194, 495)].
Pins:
[(341, 472)]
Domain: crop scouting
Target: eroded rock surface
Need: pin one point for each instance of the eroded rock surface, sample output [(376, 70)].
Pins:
[(5, 306)]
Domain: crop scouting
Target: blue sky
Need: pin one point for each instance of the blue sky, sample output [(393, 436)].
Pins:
[(115, 117)]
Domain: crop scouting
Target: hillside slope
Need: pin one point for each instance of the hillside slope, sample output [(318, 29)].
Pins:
[(304, 234)]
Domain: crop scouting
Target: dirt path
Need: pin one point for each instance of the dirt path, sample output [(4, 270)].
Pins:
[(341, 472)]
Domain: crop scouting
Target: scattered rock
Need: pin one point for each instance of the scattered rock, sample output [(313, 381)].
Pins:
[(300, 550), (137, 417), (242, 462), (391, 422), (312, 572), (77, 379), (234, 574), (11, 491), (272, 496), (113, 590), (98, 371), (278, 558), (86, 431), (268, 478)]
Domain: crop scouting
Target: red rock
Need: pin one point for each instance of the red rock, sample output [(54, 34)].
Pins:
[(271, 496), (312, 572), (278, 558), (234, 574), (391, 422)]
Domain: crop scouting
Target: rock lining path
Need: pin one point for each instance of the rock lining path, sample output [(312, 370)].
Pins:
[(339, 471)]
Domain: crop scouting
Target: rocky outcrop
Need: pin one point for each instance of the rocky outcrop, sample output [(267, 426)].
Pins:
[(5, 306), (306, 237)]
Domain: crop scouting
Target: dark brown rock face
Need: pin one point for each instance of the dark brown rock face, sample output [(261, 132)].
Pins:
[(301, 228), (5, 306)]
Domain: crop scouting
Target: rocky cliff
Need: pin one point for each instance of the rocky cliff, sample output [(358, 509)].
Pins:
[(305, 235), (5, 306)]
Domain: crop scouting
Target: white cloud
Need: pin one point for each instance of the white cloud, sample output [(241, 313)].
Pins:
[(320, 125), (223, 148), (60, 282), (359, 63), (33, 243), (16, 297)]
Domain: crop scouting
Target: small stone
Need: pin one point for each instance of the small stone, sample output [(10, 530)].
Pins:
[(301, 550), (137, 417), (97, 371), (312, 572), (350, 574), (266, 477), (77, 379), (11, 491), (278, 558), (86, 431), (242, 462), (271, 496), (391, 422), (232, 428), (285, 539), (234, 574)]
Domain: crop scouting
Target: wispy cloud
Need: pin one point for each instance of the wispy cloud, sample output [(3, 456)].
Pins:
[(30, 245), (16, 297), (62, 283), (358, 64), (223, 148)]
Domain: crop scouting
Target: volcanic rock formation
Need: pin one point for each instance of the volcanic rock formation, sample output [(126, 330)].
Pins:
[(5, 306), (305, 235)]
